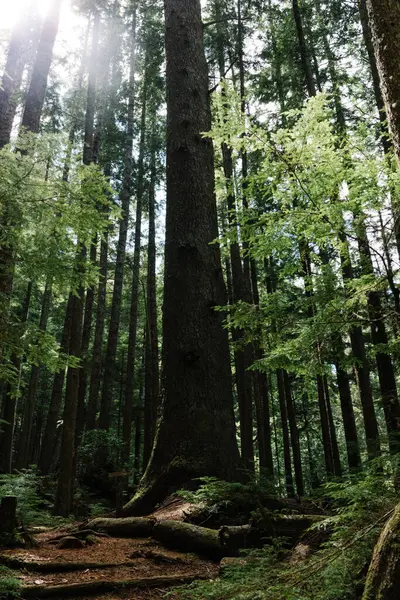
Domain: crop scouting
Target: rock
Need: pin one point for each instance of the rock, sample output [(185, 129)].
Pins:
[(69, 543)]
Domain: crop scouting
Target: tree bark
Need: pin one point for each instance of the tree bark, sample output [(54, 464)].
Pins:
[(383, 578), (196, 432), (384, 21)]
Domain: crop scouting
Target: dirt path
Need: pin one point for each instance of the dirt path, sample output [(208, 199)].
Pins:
[(138, 568)]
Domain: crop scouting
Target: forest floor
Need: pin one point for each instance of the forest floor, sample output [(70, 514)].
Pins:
[(137, 568)]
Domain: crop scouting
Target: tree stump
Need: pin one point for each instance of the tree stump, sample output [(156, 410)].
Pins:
[(8, 520)]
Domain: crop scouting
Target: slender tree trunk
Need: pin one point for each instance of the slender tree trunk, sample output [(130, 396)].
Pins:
[(243, 355), (303, 48), (80, 328), (112, 340), (386, 372), (37, 89), (49, 436), (285, 433), (65, 484), (24, 451), (346, 405), (151, 398), (96, 367), (133, 318), (361, 365), (196, 434), (22, 34), (9, 407), (294, 435)]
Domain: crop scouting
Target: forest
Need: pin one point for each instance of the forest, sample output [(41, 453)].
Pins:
[(200, 299)]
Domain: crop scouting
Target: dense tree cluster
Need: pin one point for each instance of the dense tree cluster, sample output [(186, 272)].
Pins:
[(274, 127)]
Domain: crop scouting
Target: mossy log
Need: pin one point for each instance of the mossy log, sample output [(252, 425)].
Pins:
[(128, 527), (190, 538), (383, 578), (74, 590), (13, 562)]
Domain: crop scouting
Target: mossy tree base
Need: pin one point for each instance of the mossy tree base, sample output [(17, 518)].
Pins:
[(383, 579)]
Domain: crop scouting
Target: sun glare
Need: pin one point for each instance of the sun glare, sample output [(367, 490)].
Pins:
[(11, 11)]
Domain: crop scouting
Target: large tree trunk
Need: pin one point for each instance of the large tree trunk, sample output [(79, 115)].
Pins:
[(384, 20), (196, 432), (383, 579)]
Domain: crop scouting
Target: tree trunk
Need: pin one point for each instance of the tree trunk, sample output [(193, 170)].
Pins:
[(386, 372), (133, 317), (196, 433), (64, 500), (49, 436), (383, 578), (13, 70), (304, 50), (361, 365), (9, 407), (37, 89), (96, 367), (113, 331), (151, 398), (294, 435), (285, 433), (384, 20), (24, 450)]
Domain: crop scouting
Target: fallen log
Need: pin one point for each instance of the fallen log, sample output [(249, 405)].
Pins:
[(383, 578), (98, 587), (127, 527), (57, 567), (256, 535), (190, 538)]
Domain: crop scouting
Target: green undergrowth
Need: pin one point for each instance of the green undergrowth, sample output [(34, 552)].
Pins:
[(9, 584), (336, 570), (34, 497)]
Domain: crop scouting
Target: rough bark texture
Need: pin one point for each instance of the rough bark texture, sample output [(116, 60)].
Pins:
[(129, 527), (190, 538), (384, 20), (196, 432), (383, 579)]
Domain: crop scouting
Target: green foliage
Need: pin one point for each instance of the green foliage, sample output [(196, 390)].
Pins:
[(33, 497), (9, 584), (336, 571)]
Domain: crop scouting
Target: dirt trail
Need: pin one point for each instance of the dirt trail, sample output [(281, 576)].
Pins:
[(139, 568)]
